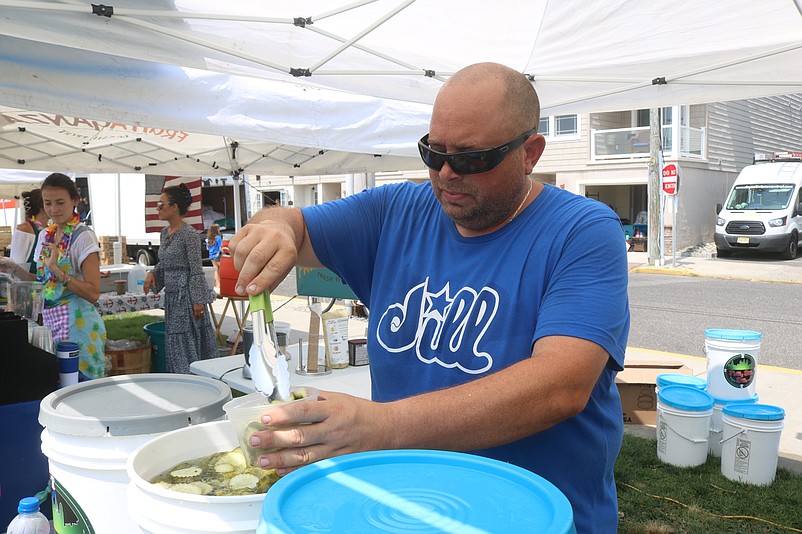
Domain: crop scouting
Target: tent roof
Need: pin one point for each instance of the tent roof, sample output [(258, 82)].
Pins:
[(357, 78), (14, 182), (604, 54)]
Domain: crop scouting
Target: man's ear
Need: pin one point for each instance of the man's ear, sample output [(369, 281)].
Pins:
[(534, 147)]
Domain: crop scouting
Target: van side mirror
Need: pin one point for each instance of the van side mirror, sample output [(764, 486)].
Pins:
[(797, 210), (718, 208)]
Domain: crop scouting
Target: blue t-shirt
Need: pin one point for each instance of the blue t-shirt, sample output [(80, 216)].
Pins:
[(446, 309), (214, 248)]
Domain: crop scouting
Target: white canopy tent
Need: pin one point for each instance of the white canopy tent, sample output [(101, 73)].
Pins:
[(582, 55), (326, 86), (13, 182)]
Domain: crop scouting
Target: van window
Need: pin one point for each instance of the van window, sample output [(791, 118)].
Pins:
[(760, 197)]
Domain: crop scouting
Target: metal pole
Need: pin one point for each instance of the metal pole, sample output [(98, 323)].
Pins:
[(674, 201), (655, 223)]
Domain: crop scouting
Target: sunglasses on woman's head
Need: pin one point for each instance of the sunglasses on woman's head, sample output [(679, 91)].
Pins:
[(469, 161), (160, 205)]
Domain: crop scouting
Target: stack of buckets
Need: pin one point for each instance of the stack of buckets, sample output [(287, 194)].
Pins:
[(720, 416)]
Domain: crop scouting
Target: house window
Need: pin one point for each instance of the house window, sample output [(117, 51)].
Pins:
[(544, 128), (559, 126), (565, 125)]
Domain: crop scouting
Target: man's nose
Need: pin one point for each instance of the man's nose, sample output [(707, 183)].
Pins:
[(447, 173)]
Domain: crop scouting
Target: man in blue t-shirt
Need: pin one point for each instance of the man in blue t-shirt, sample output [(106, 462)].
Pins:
[(498, 305)]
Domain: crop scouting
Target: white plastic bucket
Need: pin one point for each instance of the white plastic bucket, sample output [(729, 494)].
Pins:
[(92, 428), (717, 425), (160, 511), (732, 362), (683, 425), (751, 442)]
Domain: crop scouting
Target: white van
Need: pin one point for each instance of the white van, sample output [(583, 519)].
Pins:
[(763, 212)]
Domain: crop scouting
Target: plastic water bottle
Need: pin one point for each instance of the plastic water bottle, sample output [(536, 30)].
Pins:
[(136, 279), (29, 520)]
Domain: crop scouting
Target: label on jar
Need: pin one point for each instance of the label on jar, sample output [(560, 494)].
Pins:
[(335, 336)]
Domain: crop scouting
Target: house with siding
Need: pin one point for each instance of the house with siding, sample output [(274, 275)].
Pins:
[(605, 156)]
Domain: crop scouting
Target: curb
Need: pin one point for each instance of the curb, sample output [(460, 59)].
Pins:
[(671, 271), (664, 270)]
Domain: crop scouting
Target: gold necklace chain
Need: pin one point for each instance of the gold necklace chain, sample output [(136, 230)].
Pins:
[(521, 205)]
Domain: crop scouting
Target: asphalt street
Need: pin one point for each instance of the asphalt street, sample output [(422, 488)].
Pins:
[(671, 313)]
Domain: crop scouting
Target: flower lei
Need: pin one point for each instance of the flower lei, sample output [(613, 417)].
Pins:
[(51, 283)]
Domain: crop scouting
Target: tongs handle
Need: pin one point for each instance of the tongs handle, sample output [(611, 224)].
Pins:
[(261, 302)]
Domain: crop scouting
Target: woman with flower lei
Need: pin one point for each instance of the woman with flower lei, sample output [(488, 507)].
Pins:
[(68, 265)]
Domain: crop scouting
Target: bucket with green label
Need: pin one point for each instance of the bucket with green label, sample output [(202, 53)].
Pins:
[(92, 428), (732, 363)]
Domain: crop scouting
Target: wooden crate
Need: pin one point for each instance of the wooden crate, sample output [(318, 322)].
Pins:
[(129, 361)]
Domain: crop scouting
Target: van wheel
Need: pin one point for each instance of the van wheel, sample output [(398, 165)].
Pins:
[(792, 248), (722, 253), (143, 257)]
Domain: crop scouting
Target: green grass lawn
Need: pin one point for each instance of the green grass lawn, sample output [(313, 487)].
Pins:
[(656, 498), (129, 325)]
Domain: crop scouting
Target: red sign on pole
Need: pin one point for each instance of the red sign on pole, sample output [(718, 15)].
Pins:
[(670, 179)]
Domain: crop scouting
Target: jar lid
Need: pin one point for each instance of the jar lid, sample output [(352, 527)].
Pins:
[(66, 346), (757, 412), (414, 491), (685, 398), (732, 335)]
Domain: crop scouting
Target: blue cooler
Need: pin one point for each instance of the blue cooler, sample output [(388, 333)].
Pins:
[(414, 491)]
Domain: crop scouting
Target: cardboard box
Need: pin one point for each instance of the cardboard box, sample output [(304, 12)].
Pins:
[(636, 385)]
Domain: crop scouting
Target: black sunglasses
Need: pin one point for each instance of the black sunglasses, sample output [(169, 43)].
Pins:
[(469, 161)]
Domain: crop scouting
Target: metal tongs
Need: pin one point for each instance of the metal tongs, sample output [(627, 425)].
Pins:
[(268, 365)]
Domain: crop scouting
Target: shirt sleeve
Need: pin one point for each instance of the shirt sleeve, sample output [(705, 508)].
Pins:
[(80, 248), (158, 269), (198, 289)]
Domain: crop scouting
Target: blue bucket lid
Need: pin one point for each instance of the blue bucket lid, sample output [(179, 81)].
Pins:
[(686, 398), (678, 379), (751, 400), (757, 412), (414, 491), (732, 335)]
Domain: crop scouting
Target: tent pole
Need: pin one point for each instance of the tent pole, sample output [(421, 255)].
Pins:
[(655, 221), (237, 210), (119, 208)]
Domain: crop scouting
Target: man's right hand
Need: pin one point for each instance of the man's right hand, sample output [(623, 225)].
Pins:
[(264, 252)]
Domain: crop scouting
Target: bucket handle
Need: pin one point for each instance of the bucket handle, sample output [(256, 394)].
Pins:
[(686, 438), (741, 431)]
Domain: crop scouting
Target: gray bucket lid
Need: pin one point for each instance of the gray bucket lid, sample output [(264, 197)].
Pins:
[(129, 405)]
